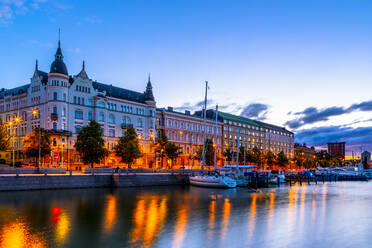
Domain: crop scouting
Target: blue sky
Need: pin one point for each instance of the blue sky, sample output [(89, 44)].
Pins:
[(303, 64)]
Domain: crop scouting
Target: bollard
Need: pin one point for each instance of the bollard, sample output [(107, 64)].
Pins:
[(45, 172), (92, 172), (70, 172), (17, 173), (323, 178), (308, 180)]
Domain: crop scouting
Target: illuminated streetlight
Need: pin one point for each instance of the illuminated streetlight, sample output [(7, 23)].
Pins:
[(35, 112)]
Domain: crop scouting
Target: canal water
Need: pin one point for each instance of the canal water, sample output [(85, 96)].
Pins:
[(324, 215)]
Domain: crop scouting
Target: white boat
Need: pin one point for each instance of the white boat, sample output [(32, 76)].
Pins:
[(213, 181)]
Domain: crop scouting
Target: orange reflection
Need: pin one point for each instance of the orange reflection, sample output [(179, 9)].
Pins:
[(212, 213), (324, 198), (62, 227), (17, 235), (302, 203), (271, 210), (110, 213), (179, 234), (252, 216), (149, 217), (226, 218)]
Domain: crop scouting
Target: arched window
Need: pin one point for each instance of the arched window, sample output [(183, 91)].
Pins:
[(55, 96), (111, 118), (54, 110), (54, 125), (101, 104)]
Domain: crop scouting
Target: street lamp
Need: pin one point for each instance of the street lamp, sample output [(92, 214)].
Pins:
[(35, 113)]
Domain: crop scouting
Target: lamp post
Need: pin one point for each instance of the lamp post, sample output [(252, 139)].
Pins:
[(10, 123), (36, 112), (152, 141)]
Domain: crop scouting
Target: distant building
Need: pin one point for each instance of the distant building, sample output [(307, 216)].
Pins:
[(307, 152), (337, 149), (186, 131), (365, 158)]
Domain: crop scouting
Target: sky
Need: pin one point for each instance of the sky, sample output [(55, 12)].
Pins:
[(305, 65)]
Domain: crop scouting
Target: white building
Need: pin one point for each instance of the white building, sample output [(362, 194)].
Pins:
[(67, 103)]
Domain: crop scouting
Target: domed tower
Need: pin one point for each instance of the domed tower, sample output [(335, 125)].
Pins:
[(57, 92)]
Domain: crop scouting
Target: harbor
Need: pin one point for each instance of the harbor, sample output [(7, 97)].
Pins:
[(183, 216)]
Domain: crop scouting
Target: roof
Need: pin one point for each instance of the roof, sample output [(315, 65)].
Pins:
[(274, 127), (238, 118), (15, 91), (120, 92), (182, 113)]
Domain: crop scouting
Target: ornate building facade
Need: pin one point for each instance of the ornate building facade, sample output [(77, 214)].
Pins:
[(65, 103)]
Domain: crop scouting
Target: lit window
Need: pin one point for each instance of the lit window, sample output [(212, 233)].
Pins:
[(78, 114)]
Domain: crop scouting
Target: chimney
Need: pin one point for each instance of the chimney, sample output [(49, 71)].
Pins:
[(187, 112), (170, 109)]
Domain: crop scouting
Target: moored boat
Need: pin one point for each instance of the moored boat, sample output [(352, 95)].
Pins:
[(216, 181)]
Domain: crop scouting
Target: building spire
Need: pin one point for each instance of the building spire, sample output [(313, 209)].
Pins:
[(59, 37), (148, 93), (82, 73), (36, 66), (149, 79), (83, 65)]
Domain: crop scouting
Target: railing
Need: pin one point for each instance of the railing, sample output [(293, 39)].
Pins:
[(126, 125)]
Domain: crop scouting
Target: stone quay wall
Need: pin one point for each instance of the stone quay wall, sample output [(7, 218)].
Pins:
[(12, 183)]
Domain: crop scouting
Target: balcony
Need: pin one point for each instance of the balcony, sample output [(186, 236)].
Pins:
[(54, 116), (126, 125)]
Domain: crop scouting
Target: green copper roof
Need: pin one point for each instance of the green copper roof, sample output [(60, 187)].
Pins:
[(238, 119)]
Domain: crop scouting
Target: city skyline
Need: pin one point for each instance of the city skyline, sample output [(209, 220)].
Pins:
[(310, 75)]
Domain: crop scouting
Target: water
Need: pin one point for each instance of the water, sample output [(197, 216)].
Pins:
[(325, 215)]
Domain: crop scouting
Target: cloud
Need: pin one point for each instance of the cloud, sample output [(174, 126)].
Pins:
[(312, 114), (255, 110), (320, 136), (10, 8), (195, 106)]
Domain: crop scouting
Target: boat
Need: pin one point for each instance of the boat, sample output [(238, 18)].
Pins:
[(215, 181)]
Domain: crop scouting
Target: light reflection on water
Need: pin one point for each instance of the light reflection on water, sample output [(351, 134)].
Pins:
[(323, 215)]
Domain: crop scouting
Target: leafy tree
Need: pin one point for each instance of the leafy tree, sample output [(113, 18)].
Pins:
[(282, 159), (128, 147), (250, 157), (4, 137), (209, 152), (323, 158), (172, 151), (257, 155), (31, 144), (159, 146), (270, 158), (90, 143), (228, 154)]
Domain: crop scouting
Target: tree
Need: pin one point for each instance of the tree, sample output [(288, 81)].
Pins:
[(128, 147), (228, 154), (90, 143), (282, 159), (31, 144), (159, 146), (172, 151), (270, 158), (323, 158), (209, 152), (257, 155), (4, 137)]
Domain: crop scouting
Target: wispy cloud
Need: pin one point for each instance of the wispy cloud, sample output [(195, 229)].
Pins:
[(10, 8), (312, 114)]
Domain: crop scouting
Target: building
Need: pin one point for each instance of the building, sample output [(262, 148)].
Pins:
[(248, 133), (186, 131), (337, 149), (365, 158), (65, 103), (303, 150)]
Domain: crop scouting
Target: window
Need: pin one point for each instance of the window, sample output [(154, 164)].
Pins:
[(101, 117), (112, 132), (74, 99), (90, 102), (111, 118), (101, 104), (55, 96), (54, 110), (64, 97), (90, 116), (64, 112), (78, 114), (78, 100), (63, 126), (82, 101), (54, 125), (139, 123), (77, 128)]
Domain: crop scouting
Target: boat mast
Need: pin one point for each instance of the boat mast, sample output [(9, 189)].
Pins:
[(215, 140), (205, 115)]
